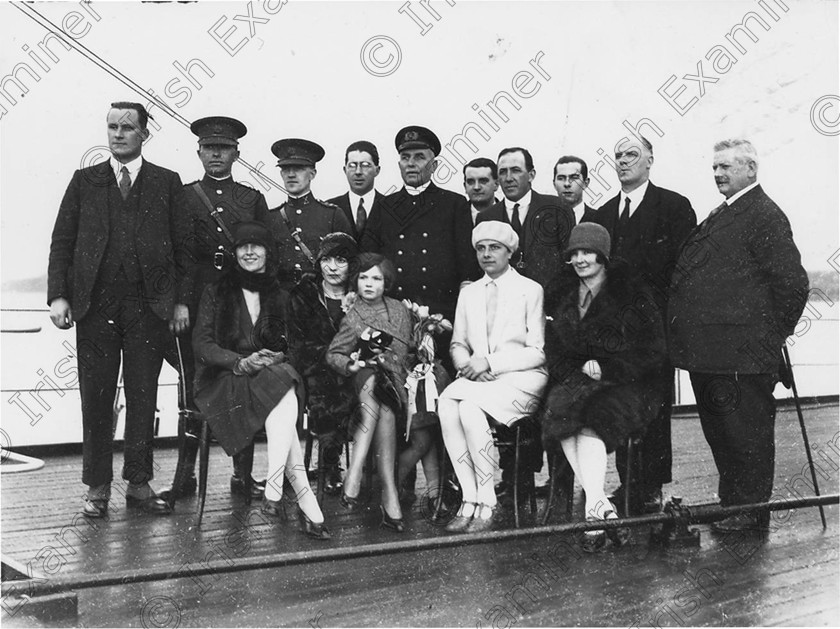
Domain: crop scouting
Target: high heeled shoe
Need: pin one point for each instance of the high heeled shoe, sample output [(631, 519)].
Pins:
[(461, 520), (618, 536), (349, 503), (482, 519), (313, 529), (395, 524), (273, 508)]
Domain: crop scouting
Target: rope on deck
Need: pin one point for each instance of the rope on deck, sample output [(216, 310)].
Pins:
[(686, 515)]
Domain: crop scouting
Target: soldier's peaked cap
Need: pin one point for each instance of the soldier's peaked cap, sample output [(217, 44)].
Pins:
[(218, 130), (415, 137), (297, 152)]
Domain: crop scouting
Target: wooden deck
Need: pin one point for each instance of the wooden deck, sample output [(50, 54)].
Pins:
[(542, 581)]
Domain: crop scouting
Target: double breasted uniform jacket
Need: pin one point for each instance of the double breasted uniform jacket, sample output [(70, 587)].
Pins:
[(233, 203), (315, 219), (343, 201), (545, 233), (738, 290), (78, 245), (428, 238)]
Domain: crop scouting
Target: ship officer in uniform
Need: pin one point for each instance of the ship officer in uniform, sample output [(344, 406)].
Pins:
[(299, 224), (214, 205)]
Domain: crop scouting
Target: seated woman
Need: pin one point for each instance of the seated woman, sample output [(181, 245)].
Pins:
[(497, 348), (381, 390), (317, 310), (243, 379), (605, 346)]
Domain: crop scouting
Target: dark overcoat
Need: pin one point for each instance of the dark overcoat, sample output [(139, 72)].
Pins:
[(428, 237), (623, 331), (738, 290), (330, 397), (236, 406)]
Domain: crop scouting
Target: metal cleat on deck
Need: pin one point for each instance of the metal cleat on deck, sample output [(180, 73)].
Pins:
[(675, 532)]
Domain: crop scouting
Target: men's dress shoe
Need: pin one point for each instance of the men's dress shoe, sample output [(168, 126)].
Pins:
[(183, 489), (254, 489), (153, 504), (333, 484), (310, 528), (273, 508), (482, 519), (619, 536), (745, 522), (349, 503), (95, 508), (652, 498), (395, 524)]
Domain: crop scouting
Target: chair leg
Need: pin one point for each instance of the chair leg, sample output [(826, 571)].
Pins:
[(552, 487), (307, 453), (627, 478), (516, 479), (532, 492), (322, 473), (441, 483), (204, 460)]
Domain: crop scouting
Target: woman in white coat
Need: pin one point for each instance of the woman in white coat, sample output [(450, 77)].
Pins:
[(497, 348)]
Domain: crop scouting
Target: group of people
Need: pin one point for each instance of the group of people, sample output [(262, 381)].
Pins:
[(571, 315)]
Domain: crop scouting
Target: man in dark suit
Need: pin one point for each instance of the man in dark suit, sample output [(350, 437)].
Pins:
[(571, 178), (116, 270), (299, 224), (736, 294), (542, 224), (361, 167), (213, 205), (481, 180), (648, 226), (425, 231)]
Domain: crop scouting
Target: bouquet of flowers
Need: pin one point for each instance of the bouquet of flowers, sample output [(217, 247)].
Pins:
[(427, 378)]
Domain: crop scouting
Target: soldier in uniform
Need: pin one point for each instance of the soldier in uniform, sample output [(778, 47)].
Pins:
[(213, 205), (299, 224)]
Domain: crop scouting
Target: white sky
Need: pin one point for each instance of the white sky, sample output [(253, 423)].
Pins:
[(300, 75)]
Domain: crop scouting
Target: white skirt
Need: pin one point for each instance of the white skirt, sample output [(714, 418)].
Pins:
[(498, 399)]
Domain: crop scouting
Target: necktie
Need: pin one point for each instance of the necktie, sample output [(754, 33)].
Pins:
[(515, 222), (584, 305), (624, 218), (361, 216), (125, 183), (492, 303)]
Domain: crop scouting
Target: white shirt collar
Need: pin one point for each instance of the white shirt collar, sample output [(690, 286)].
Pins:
[(740, 193), (133, 167), (524, 203), (218, 178), (415, 191), (504, 277), (579, 209), (354, 201), (635, 197)]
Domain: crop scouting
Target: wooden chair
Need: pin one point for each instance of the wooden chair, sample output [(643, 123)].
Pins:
[(518, 434)]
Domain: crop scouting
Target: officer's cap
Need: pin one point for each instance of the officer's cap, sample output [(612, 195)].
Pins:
[(415, 137), (218, 130), (297, 152)]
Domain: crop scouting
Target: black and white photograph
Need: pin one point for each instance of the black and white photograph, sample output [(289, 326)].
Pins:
[(420, 313)]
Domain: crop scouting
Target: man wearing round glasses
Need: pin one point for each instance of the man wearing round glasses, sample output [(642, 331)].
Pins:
[(361, 167)]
